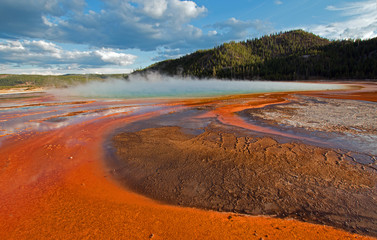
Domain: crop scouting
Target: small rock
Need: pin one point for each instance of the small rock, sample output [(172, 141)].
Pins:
[(151, 236)]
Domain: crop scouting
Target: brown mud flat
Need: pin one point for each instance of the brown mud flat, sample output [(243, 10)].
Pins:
[(220, 171)]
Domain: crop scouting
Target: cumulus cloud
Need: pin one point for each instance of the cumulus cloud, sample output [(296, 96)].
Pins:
[(143, 24), (162, 26), (185, 10), (6, 69), (29, 18), (155, 8), (361, 21), (44, 54), (181, 11), (122, 24)]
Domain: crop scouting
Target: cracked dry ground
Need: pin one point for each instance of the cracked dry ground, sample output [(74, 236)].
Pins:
[(221, 171)]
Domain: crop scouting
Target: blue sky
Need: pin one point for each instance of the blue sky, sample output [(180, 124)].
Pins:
[(117, 36)]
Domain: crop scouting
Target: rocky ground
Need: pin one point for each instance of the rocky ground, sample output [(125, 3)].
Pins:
[(321, 114)]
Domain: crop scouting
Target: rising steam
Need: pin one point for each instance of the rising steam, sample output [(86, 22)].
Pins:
[(154, 85)]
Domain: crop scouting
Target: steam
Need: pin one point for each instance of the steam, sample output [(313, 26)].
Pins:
[(154, 85)]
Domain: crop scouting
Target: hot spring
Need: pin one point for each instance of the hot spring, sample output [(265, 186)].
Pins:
[(157, 86)]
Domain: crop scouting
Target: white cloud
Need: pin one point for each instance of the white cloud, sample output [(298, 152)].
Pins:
[(61, 71), (142, 24), (278, 2), (147, 25), (185, 10), (212, 33), (361, 22), (40, 45), (43, 53), (109, 56), (15, 46), (155, 8), (47, 22)]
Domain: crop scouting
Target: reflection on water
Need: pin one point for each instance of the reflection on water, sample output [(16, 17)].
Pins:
[(44, 116)]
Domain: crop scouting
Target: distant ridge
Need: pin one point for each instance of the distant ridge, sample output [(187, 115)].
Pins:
[(290, 55)]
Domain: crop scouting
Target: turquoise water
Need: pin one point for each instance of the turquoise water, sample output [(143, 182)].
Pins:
[(185, 88)]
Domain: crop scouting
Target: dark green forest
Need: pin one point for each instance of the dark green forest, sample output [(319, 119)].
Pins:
[(293, 55)]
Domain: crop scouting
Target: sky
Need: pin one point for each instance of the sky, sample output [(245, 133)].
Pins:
[(119, 36)]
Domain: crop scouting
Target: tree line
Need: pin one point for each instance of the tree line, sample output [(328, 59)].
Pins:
[(292, 55)]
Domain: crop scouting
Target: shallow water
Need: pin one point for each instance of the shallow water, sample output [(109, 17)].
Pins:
[(42, 115), (171, 87)]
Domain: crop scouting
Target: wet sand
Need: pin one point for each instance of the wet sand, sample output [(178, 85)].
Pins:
[(54, 181)]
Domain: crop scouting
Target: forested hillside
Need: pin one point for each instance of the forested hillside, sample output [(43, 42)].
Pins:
[(285, 56)]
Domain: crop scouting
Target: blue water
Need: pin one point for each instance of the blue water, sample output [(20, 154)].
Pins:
[(170, 87)]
